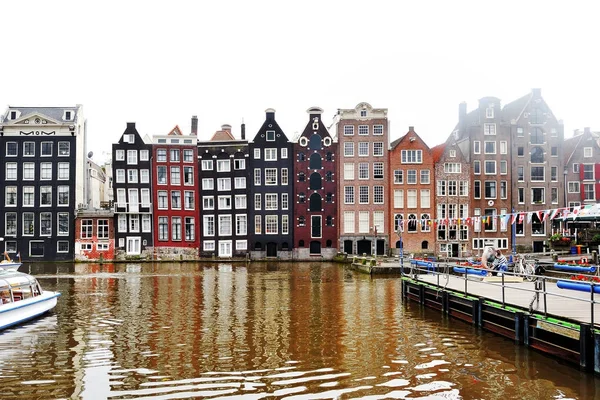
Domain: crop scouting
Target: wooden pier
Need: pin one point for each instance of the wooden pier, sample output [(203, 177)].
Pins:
[(562, 323)]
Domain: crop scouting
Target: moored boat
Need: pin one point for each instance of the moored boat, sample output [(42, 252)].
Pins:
[(22, 298), (9, 265)]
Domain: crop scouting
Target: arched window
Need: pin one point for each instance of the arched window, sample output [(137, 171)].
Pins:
[(329, 197), (412, 223), (284, 246), (398, 225), (301, 198), (425, 219), (329, 176), (301, 221), (329, 156), (315, 142), (328, 243), (537, 116), (537, 136), (315, 181), (258, 246), (301, 157), (329, 221), (315, 161), (301, 243), (424, 245), (301, 177), (537, 155), (315, 202)]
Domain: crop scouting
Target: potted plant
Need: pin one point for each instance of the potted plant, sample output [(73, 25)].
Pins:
[(558, 240)]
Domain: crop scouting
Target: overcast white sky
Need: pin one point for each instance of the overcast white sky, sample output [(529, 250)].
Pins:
[(159, 63)]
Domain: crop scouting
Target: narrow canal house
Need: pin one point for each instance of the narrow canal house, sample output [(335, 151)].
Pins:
[(132, 189), (224, 191), (363, 184), (94, 234), (537, 167), (175, 196), (411, 179), (315, 212), (271, 208), (452, 218), (485, 141), (42, 168)]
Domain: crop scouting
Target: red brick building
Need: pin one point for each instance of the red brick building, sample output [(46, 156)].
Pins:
[(175, 195), (411, 174), (315, 208), (94, 235)]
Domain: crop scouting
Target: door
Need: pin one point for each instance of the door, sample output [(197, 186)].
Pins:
[(380, 247), (315, 247), (271, 249), (134, 245), (454, 249), (538, 246), (348, 246), (134, 201), (364, 247), (225, 248)]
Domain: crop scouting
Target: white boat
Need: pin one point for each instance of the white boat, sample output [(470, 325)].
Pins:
[(9, 265), (22, 298)]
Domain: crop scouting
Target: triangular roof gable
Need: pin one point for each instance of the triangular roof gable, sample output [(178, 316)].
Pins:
[(265, 127), (33, 115), (569, 147), (408, 135), (437, 151), (131, 130), (175, 131), (516, 109), (451, 144), (221, 135), (315, 116)]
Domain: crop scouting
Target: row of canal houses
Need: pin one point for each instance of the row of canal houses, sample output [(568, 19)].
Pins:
[(493, 181)]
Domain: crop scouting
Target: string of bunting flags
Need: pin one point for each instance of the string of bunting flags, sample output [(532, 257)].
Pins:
[(561, 213)]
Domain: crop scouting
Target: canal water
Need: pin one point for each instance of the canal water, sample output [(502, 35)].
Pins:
[(249, 331)]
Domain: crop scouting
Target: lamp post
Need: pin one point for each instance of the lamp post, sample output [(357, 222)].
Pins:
[(375, 241), (565, 171)]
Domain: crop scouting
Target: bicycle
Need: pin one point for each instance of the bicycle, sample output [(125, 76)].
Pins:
[(526, 267)]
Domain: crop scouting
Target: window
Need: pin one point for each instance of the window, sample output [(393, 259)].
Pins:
[(452, 188), (270, 176), (452, 168), (11, 149), (223, 166), (489, 147), (257, 224), (45, 224), (412, 223), (363, 222), (349, 149), (284, 176), (489, 111), (348, 194), (554, 151), (503, 147), (188, 176), (10, 227), (63, 195), (163, 200), (161, 155), (176, 228), (398, 177), (28, 224), (537, 174), (477, 167), (207, 165), (576, 168), (163, 228), (63, 223), (378, 149), (425, 176), (146, 223), (441, 188), (208, 203), (224, 202), (363, 194), (536, 136), (490, 189), (11, 196), (46, 149), (270, 136), (348, 130), (257, 201), (46, 195), (63, 171), (209, 245), (363, 130), (240, 202), (476, 147), (411, 156), (271, 201), (225, 228), (503, 190), (223, 184), (554, 195), (144, 155), (398, 223), (411, 198), (257, 154), (537, 155), (270, 154), (588, 172), (489, 129), (132, 157), (209, 225), (378, 170), (29, 149), (521, 174), (538, 195), (188, 200), (257, 176), (239, 164), (161, 175), (587, 152), (240, 182), (176, 200), (398, 198), (520, 151), (477, 189), (284, 201), (271, 224), (363, 149), (425, 198), (120, 176), (463, 188), (377, 129), (503, 167), (208, 184), (588, 191), (378, 194), (120, 155), (411, 176), (175, 176), (521, 195), (363, 171), (241, 225), (132, 176), (28, 171), (554, 174), (490, 167), (144, 176)]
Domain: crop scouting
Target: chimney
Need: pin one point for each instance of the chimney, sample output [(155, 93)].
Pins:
[(226, 127), (195, 125), (131, 125), (536, 92), (411, 128), (270, 113), (243, 130)]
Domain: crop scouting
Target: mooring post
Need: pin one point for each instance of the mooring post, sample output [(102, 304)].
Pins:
[(518, 327), (586, 347), (596, 353), (526, 329), (422, 294), (445, 302), (480, 312), (475, 311)]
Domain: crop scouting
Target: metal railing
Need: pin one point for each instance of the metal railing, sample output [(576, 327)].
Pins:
[(445, 270)]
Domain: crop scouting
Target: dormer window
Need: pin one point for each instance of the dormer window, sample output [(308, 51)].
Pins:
[(13, 115), (68, 115), (270, 136), (363, 113), (489, 112)]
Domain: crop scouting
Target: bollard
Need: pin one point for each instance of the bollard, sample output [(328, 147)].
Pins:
[(595, 257), (586, 347), (554, 257)]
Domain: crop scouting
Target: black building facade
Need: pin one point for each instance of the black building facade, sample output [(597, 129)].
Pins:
[(271, 205), (132, 188), (38, 170)]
